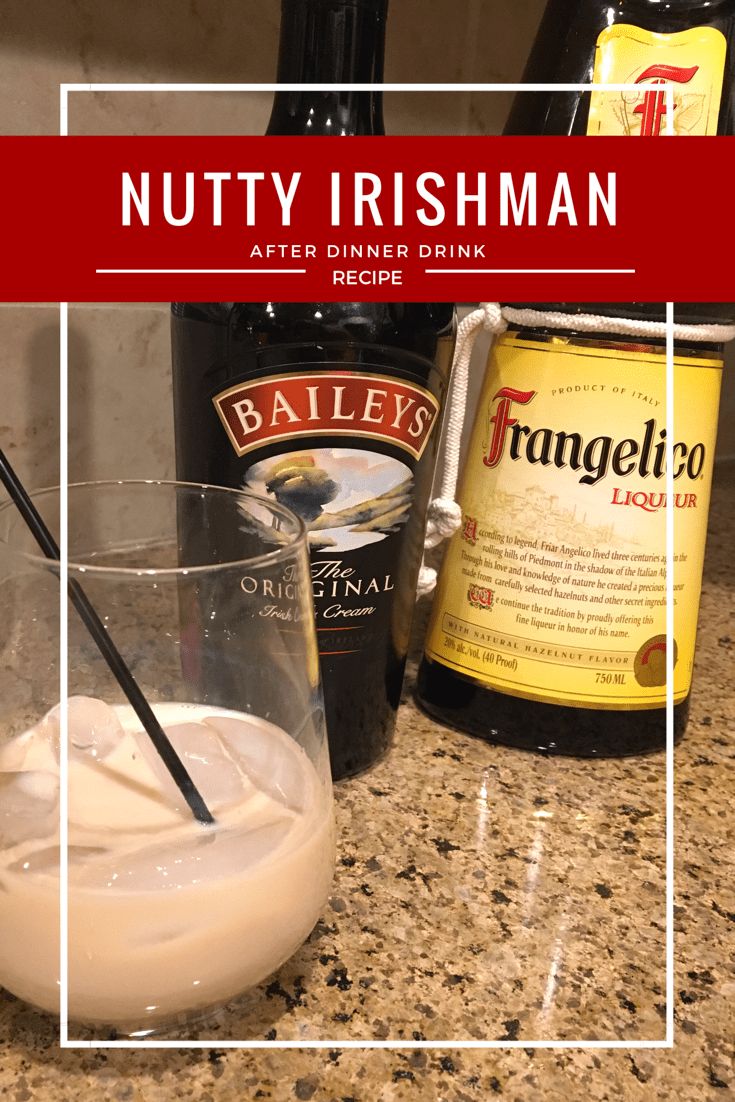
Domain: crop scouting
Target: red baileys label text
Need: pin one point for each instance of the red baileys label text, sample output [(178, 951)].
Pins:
[(328, 403)]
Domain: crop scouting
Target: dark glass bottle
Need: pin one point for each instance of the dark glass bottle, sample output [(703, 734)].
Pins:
[(577, 43), (638, 42), (524, 551), (330, 42), (350, 395)]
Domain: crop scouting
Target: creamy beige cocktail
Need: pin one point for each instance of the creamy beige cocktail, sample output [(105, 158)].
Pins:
[(165, 916)]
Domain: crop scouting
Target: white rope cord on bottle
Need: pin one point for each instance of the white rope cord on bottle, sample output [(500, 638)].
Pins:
[(444, 514)]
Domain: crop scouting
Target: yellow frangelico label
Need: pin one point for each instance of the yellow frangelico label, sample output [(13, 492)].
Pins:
[(554, 588), (692, 60)]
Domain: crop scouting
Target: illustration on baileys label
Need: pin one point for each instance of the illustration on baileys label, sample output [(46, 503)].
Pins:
[(346, 497)]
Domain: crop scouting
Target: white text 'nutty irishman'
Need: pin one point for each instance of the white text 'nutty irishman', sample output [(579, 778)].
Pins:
[(367, 199)]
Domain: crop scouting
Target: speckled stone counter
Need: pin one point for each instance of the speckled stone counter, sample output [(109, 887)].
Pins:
[(485, 894)]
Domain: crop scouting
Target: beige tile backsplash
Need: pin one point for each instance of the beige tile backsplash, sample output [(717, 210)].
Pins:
[(121, 408), (120, 417), (46, 42), (120, 405), (29, 391)]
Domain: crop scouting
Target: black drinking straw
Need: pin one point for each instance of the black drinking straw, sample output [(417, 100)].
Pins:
[(107, 648)]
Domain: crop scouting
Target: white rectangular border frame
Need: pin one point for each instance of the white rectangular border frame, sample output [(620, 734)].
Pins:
[(65, 1041)]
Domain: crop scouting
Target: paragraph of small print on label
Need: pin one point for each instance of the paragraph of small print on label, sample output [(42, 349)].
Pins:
[(555, 586)]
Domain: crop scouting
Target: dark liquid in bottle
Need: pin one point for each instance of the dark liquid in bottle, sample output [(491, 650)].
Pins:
[(546, 728), (362, 496)]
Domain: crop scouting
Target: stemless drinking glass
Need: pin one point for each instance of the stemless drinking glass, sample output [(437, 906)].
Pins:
[(206, 594)]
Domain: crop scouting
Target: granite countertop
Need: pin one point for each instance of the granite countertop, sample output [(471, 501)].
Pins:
[(483, 893)]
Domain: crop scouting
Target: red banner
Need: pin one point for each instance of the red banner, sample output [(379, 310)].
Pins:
[(314, 219)]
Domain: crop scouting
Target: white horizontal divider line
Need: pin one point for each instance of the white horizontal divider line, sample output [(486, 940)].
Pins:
[(303, 271), (352, 1044), (529, 271), (200, 271), (274, 86)]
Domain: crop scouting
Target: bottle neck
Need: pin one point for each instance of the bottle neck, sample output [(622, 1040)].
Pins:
[(685, 313), (565, 52), (330, 42)]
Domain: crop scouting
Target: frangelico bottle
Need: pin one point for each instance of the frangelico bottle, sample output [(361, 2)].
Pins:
[(548, 629), (639, 42), (332, 409)]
